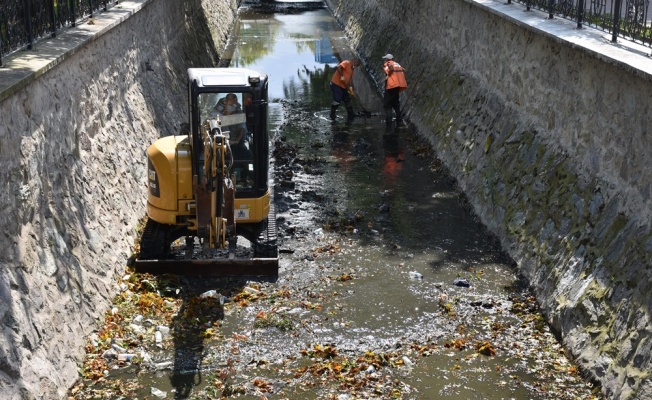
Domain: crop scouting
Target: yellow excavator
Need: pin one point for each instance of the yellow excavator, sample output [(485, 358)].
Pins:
[(211, 186)]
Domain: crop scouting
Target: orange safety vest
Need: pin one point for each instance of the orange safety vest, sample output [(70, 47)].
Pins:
[(347, 69), (395, 75)]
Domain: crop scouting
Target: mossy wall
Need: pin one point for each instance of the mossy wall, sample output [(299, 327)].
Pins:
[(549, 142)]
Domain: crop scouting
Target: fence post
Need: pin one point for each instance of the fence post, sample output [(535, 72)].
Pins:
[(74, 17), (1, 14), (616, 22), (527, 5), (580, 13), (90, 7), (53, 20), (551, 9), (28, 22)]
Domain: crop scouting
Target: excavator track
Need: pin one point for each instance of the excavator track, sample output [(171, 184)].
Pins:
[(155, 240), (266, 244), (156, 257)]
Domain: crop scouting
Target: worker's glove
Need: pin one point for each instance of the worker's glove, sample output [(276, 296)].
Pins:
[(351, 91)]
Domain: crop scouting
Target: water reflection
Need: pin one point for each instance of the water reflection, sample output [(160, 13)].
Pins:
[(393, 156), (298, 52), (324, 51)]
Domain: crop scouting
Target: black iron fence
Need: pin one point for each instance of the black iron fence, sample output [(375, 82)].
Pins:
[(628, 19), (22, 22)]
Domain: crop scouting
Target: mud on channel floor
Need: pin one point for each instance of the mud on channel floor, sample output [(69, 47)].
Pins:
[(388, 288)]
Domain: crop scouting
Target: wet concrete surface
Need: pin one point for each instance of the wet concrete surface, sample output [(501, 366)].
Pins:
[(388, 285)]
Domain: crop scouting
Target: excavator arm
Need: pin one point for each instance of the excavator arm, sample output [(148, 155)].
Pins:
[(217, 181)]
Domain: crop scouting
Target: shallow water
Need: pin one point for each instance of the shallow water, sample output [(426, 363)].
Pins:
[(416, 220)]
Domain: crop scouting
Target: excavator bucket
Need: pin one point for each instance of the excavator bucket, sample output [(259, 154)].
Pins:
[(254, 267), (163, 250)]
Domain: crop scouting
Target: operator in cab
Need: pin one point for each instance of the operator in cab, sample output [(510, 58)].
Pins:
[(229, 105)]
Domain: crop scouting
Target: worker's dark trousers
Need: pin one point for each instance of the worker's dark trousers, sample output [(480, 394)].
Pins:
[(350, 114), (391, 101), (340, 95)]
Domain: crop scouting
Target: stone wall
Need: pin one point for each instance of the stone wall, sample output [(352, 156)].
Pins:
[(550, 143), (72, 150)]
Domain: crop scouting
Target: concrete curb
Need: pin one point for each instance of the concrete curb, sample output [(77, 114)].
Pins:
[(633, 57), (23, 67)]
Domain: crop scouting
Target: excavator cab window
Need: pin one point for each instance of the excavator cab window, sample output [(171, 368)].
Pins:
[(233, 111)]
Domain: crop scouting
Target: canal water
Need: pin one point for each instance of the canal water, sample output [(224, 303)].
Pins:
[(381, 259), (417, 236)]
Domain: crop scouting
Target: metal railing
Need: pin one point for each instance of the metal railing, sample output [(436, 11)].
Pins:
[(23, 22), (628, 19)]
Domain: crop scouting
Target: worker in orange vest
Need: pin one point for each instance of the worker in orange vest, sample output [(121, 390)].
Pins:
[(395, 83), (342, 87)]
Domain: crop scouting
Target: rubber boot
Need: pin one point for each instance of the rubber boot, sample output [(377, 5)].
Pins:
[(349, 113), (333, 109), (388, 116), (399, 118)]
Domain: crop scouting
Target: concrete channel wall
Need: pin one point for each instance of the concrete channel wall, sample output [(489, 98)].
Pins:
[(549, 139), (77, 114)]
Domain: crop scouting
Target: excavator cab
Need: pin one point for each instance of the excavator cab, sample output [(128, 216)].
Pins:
[(211, 186)]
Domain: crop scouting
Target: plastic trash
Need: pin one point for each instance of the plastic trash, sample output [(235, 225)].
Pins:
[(214, 295), (126, 357), (210, 293), (250, 290), (415, 275), (461, 282), (118, 348), (164, 365), (159, 393), (110, 354), (407, 362), (137, 328)]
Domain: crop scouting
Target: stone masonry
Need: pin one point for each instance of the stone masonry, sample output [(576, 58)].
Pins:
[(550, 142), (72, 150)]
